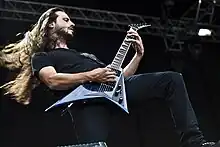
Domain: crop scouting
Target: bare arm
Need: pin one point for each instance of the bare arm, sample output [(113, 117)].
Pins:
[(132, 67), (64, 81)]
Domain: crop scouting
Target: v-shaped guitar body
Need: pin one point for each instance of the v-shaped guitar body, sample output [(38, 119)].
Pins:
[(114, 92)]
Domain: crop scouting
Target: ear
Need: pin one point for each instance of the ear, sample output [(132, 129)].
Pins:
[(51, 25)]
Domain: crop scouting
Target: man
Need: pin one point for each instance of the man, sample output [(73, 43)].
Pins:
[(61, 69)]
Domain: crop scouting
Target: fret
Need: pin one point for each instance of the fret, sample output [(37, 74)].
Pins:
[(124, 46), (115, 66), (120, 55), (122, 51), (126, 42), (117, 61)]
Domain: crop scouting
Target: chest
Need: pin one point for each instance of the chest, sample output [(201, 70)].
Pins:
[(71, 61)]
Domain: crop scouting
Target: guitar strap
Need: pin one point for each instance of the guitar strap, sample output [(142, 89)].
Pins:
[(93, 57)]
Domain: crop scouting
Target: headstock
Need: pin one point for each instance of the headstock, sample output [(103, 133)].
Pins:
[(139, 26)]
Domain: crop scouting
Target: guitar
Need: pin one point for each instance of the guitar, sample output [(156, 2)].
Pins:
[(113, 91)]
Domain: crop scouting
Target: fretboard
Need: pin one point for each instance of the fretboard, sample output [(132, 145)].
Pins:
[(120, 56)]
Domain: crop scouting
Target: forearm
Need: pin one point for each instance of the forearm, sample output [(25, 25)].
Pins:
[(64, 81), (132, 67)]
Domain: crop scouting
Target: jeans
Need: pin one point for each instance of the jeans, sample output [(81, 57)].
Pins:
[(92, 120)]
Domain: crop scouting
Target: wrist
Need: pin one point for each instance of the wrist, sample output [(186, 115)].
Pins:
[(85, 77), (138, 56), (88, 76)]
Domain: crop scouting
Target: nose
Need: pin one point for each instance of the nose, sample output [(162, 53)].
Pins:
[(72, 24)]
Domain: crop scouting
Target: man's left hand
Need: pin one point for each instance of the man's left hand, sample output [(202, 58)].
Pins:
[(136, 41)]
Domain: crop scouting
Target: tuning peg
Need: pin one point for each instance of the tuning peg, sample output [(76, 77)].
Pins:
[(139, 26)]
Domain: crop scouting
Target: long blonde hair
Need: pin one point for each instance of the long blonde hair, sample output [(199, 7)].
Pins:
[(17, 57)]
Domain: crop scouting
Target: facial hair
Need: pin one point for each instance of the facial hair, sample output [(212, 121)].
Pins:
[(64, 33)]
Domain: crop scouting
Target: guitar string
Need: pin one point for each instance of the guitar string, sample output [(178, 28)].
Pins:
[(104, 87)]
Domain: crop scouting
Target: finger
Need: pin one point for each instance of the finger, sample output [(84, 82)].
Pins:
[(110, 73), (131, 31), (105, 80), (133, 41), (111, 80), (108, 66), (133, 36), (134, 45), (110, 76), (107, 69)]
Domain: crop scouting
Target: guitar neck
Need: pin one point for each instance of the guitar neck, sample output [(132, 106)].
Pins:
[(120, 56)]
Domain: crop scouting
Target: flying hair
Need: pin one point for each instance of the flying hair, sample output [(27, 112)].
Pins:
[(16, 57)]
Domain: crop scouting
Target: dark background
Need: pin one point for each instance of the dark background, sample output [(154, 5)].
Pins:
[(149, 125)]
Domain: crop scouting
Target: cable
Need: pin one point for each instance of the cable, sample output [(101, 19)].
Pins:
[(72, 119), (73, 122)]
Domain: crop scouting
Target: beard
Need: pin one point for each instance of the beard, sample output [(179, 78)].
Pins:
[(66, 33), (58, 34)]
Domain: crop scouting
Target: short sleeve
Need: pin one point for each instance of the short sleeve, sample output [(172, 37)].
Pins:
[(38, 61)]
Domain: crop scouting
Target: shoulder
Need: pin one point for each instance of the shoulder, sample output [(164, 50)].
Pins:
[(40, 57), (39, 54)]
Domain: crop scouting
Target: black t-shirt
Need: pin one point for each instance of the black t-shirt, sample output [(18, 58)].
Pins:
[(64, 61)]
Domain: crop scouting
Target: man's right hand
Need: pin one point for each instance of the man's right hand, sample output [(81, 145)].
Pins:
[(102, 75)]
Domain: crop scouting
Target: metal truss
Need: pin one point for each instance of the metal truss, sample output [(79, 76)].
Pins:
[(83, 17), (174, 32), (89, 18), (199, 15)]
